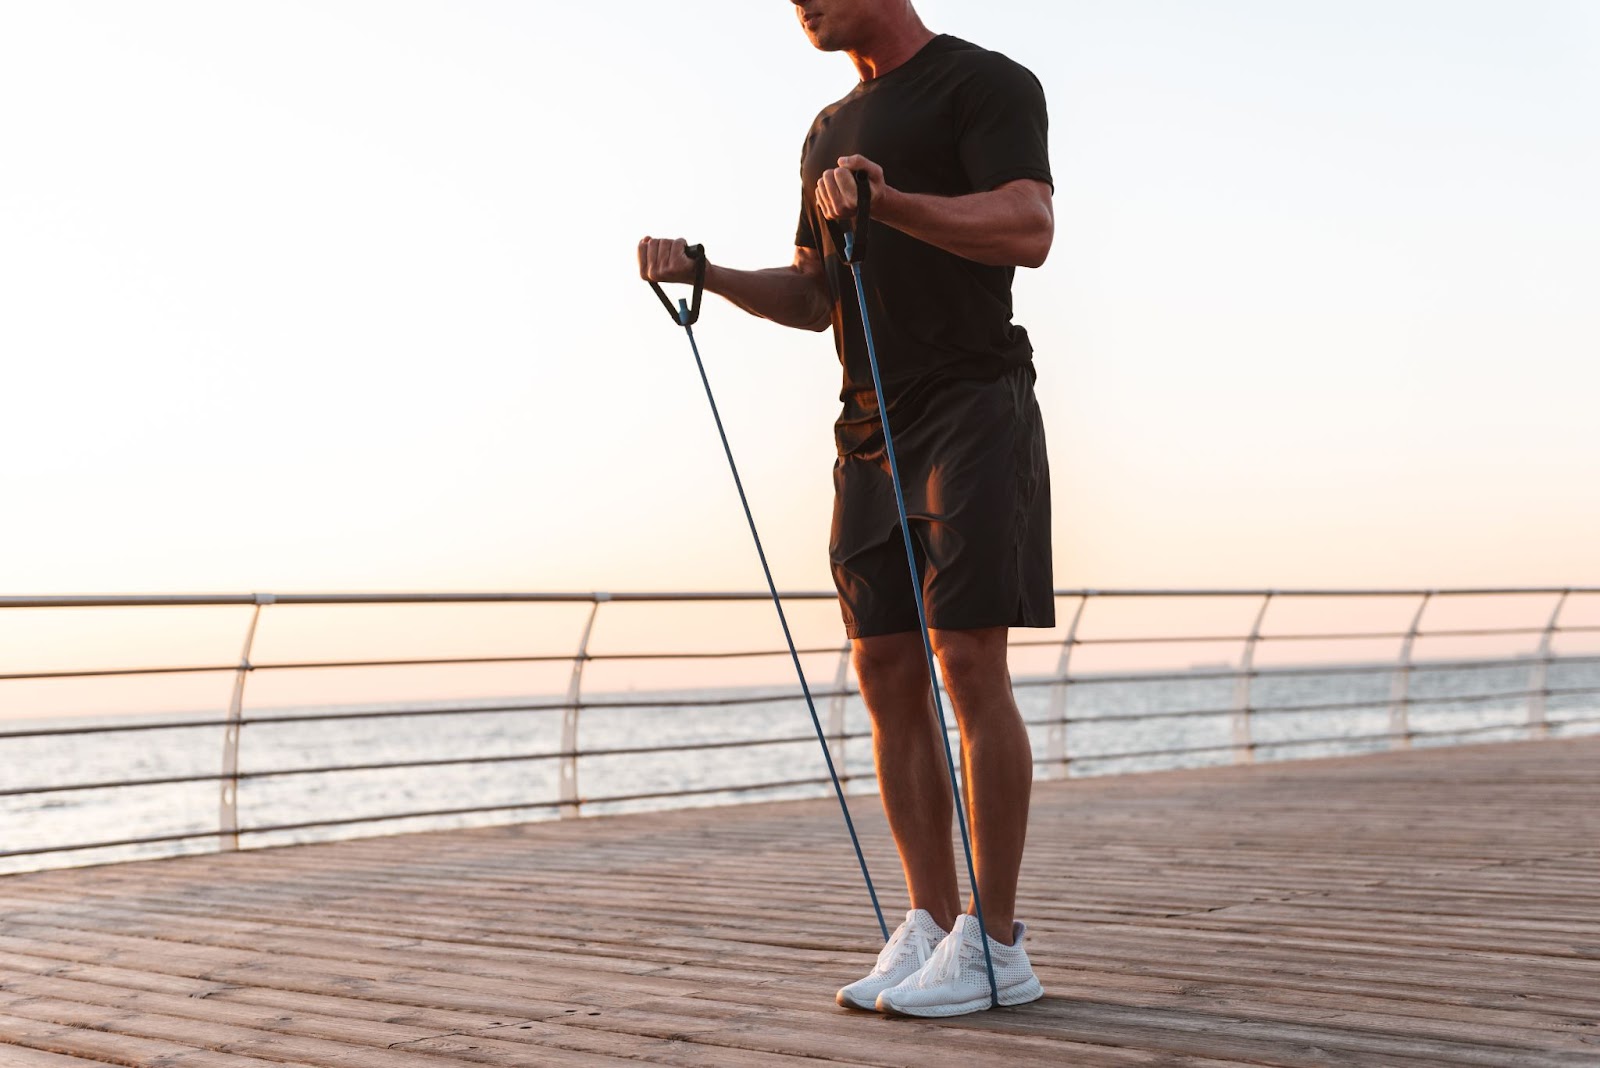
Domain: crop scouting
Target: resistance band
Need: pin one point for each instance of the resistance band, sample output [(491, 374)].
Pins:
[(855, 251), (685, 316)]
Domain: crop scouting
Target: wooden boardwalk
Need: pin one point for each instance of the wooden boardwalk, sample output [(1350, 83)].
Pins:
[(1422, 907)]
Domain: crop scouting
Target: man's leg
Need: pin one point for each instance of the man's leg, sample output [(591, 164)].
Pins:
[(996, 763), (999, 772), (913, 778)]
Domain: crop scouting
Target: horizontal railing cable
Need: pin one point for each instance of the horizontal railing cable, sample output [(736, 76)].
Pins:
[(580, 597), (429, 813), (556, 705), (831, 650)]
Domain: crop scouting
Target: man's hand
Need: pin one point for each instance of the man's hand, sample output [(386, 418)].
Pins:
[(664, 259), (836, 189), (1011, 225), (794, 296)]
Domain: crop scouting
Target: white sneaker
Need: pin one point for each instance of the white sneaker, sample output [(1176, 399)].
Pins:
[(954, 981), (907, 950)]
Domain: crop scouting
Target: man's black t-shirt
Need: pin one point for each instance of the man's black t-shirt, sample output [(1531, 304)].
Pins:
[(953, 119)]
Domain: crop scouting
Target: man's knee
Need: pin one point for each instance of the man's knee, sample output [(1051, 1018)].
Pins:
[(971, 657), (893, 670), (890, 661)]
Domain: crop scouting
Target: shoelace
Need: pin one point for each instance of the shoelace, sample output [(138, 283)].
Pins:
[(906, 932), (945, 964)]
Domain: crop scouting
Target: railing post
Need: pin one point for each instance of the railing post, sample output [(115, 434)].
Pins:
[(569, 716), (1539, 681), (836, 731), (228, 814), (1056, 738), (1400, 692), (1244, 748)]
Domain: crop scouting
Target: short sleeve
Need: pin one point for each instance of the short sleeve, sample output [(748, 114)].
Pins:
[(804, 234), (1004, 125)]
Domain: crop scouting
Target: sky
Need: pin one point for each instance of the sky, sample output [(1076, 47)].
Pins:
[(342, 295)]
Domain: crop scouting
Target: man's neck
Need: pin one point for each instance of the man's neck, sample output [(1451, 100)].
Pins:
[(896, 45)]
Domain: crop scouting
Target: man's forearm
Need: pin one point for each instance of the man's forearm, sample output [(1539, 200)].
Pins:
[(785, 295), (1009, 226)]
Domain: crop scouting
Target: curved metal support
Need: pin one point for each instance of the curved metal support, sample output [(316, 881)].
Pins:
[(569, 716), (1538, 680), (1056, 739), (228, 809), (1400, 693), (1244, 748)]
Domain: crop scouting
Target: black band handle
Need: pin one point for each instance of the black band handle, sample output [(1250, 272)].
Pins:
[(857, 243), (697, 253)]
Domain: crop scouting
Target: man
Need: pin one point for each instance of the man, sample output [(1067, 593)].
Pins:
[(953, 139)]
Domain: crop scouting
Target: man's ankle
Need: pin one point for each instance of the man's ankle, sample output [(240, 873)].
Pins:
[(943, 919), (1000, 933)]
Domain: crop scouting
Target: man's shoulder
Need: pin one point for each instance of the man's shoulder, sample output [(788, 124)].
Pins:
[(983, 65)]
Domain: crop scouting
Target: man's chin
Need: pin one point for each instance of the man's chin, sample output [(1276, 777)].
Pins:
[(824, 42)]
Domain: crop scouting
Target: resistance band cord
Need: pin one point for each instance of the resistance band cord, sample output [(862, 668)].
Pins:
[(685, 317), (855, 245)]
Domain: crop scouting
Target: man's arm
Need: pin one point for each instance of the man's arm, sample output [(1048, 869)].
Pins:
[(1011, 225), (795, 296)]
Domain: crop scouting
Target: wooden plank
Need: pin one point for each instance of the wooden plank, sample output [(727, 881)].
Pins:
[(529, 998), (104, 1047), (264, 1044), (13, 1056)]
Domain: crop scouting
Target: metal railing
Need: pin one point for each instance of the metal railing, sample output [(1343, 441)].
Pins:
[(1057, 757)]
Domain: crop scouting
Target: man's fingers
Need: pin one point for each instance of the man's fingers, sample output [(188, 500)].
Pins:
[(844, 182), (665, 260), (862, 163), (825, 197), (836, 193)]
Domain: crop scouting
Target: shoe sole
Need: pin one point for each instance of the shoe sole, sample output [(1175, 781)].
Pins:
[(845, 1001), (1021, 994)]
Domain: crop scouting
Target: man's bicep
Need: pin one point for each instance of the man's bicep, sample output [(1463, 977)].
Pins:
[(1031, 210), (1034, 194)]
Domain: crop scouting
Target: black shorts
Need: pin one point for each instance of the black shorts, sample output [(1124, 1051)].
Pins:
[(977, 484)]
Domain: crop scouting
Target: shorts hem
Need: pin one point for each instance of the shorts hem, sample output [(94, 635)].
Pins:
[(859, 630)]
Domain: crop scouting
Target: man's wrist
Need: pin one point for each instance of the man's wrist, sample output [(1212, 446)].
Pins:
[(887, 205), (714, 278)]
